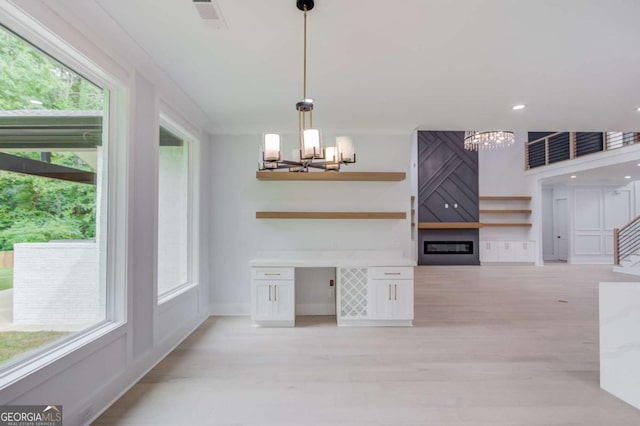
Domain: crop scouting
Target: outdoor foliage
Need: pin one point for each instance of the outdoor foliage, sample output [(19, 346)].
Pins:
[(35, 209), (27, 74)]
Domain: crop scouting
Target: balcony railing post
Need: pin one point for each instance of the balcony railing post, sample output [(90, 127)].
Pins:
[(572, 145), (605, 141), (616, 246), (546, 151), (526, 155)]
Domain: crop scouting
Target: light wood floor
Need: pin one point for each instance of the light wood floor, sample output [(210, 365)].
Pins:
[(491, 345)]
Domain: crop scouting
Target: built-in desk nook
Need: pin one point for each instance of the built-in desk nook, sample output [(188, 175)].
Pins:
[(372, 287)]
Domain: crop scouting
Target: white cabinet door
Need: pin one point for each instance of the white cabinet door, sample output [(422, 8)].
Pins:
[(403, 300), (489, 251), (393, 299), (528, 251), (282, 301), (261, 306), (383, 299), (506, 251)]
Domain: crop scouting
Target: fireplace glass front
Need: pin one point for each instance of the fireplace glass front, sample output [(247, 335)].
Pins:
[(448, 247)]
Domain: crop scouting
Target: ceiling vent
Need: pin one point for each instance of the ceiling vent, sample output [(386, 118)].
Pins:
[(210, 13)]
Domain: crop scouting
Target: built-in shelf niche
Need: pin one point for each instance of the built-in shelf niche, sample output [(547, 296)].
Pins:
[(331, 215), (332, 176), (449, 225), (518, 200)]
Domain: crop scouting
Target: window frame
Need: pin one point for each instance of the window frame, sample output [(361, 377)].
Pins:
[(114, 200), (180, 129)]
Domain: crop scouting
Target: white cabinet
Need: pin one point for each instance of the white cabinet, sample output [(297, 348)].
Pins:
[(507, 251), (489, 251), (391, 293), (273, 297), (393, 299)]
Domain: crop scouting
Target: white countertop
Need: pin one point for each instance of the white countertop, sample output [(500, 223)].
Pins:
[(620, 340), (335, 258)]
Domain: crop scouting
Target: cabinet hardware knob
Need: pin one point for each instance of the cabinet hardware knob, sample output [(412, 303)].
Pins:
[(392, 273), (275, 293), (269, 273), (269, 293), (389, 291)]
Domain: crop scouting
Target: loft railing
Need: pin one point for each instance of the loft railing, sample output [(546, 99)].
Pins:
[(626, 240), (563, 146)]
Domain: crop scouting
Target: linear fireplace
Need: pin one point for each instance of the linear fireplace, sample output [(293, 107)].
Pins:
[(448, 247)]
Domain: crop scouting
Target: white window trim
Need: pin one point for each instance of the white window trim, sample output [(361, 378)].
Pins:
[(116, 197), (193, 199)]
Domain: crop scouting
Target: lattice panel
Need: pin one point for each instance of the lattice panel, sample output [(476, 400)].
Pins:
[(353, 293)]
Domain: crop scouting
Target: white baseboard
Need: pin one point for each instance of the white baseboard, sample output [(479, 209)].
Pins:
[(591, 260), (316, 309), (630, 271), (230, 309)]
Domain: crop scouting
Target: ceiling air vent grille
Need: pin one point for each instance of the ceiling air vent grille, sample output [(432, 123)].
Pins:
[(207, 10)]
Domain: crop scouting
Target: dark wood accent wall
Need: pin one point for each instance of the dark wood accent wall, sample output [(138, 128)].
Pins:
[(447, 174)]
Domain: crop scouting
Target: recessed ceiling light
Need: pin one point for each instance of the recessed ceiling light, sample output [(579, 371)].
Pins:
[(573, 176), (627, 177), (638, 109), (518, 107)]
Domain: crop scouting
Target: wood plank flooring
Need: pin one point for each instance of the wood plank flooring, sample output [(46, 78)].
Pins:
[(491, 345)]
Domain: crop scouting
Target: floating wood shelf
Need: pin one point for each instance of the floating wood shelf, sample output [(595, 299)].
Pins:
[(505, 211), (505, 198), (505, 225), (332, 176), (449, 225), (331, 215)]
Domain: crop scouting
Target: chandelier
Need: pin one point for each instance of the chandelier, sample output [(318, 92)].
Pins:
[(311, 153), (474, 140)]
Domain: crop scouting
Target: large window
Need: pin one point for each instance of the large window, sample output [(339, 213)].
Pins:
[(174, 213), (52, 201)]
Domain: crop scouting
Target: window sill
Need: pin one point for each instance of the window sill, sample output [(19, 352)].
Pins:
[(165, 298)]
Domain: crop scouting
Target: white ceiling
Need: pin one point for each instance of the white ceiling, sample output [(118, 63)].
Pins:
[(387, 66)]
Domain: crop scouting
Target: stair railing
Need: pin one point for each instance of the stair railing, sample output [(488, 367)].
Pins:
[(626, 240)]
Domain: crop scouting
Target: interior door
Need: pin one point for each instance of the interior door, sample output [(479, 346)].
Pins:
[(562, 229)]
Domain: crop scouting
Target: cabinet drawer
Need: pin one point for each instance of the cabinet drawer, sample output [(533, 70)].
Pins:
[(272, 273), (391, 272)]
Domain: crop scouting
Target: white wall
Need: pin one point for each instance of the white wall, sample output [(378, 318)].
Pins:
[(314, 295), (173, 217), (77, 378), (548, 246), (57, 284), (236, 194), (501, 172)]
